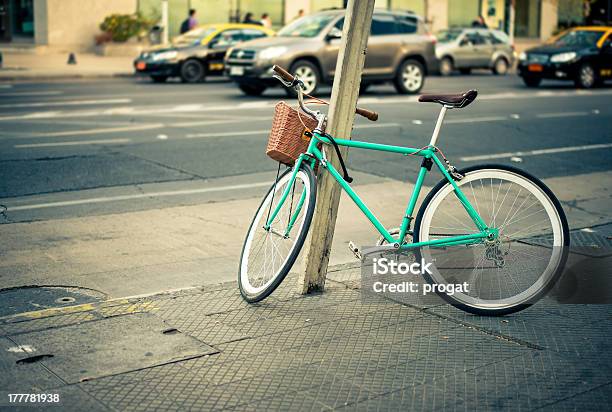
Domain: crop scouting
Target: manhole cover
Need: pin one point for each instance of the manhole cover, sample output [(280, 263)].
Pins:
[(28, 299)]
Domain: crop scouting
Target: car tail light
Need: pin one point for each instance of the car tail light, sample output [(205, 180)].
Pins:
[(433, 38)]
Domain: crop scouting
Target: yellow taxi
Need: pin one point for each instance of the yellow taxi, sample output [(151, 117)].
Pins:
[(196, 54), (581, 54)]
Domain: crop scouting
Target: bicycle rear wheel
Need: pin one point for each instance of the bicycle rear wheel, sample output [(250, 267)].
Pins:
[(268, 254), (521, 265)]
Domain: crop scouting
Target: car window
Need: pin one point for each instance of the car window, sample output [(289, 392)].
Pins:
[(383, 24), (499, 37), (227, 38), (476, 39), (250, 34), (308, 26), (581, 38), (407, 24), (445, 36), (339, 24), (194, 37)]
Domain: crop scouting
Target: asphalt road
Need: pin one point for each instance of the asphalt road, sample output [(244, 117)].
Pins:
[(94, 147)]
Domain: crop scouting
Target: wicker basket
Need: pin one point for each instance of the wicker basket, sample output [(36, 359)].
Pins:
[(287, 141)]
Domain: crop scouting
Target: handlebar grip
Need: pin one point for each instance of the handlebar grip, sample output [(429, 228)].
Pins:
[(284, 74), (368, 114)]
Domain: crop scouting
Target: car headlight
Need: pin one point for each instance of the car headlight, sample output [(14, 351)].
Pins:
[(563, 57), (272, 52), (167, 55), (523, 56)]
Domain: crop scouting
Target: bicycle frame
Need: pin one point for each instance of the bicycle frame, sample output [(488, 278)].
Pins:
[(313, 154)]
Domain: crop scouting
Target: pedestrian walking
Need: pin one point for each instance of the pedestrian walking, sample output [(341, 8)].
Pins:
[(190, 22), (248, 19), (266, 21), (480, 22)]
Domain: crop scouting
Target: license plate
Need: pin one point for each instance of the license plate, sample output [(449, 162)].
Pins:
[(535, 68), (141, 65), (236, 71), (215, 66)]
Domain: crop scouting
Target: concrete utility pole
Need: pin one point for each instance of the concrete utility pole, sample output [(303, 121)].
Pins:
[(511, 20), (165, 19), (345, 92)]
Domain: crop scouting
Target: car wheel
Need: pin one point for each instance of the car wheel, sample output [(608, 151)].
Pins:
[(308, 73), (410, 77), (465, 70), (363, 87), (159, 79), (192, 71), (252, 89), (531, 81), (500, 67), (586, 77), (446, 66)]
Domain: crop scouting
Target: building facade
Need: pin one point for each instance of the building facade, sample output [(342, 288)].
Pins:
[(69, 25)]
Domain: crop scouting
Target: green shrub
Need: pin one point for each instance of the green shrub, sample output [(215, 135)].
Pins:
[(123, 27)]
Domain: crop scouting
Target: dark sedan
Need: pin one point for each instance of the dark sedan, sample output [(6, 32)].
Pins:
[(582, 55), (197, 53)]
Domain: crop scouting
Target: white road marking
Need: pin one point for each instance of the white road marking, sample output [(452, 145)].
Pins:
[(515, 116), (136, 196), (561, 114), (6, 86), (538, 152), (100, 131), (76, 143), (266, 131), (209, 122), (476, 119), (162, 136), (41, 93), (190, 108), (416, 121), (66, 103), (22, 349), (224, 134)]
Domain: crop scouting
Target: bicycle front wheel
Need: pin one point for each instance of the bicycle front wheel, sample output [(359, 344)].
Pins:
[(509, 273), (269, 253)]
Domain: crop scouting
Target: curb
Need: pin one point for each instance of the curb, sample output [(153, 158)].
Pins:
[(33, 77)]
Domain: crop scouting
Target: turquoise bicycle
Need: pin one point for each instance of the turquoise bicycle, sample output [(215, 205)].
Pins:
[(494, 226)]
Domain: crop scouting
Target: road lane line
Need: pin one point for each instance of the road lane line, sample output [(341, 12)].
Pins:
[(266, 131), (66, 103), (136, 196), (6, 86), (209, 122), (561, 114), (537, 152), (100, 131), (201, 108), (41, 93), (77, 143), (477, 119)]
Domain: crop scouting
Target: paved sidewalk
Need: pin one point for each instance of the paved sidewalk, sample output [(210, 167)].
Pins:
[(30, 66), (167, 247), (209, 350)]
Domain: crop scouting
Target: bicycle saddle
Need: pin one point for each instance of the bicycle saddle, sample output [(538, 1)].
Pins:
[(456, 101)]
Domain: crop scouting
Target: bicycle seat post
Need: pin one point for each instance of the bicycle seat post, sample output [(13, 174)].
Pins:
[(436, 132)]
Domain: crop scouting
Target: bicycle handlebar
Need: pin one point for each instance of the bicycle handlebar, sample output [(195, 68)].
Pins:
[(289, 78)]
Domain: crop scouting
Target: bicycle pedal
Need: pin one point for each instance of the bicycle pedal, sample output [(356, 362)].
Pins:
[(353, 248)]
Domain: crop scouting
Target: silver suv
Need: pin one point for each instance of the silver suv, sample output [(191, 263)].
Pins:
[(400, 50), (474, 48)]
